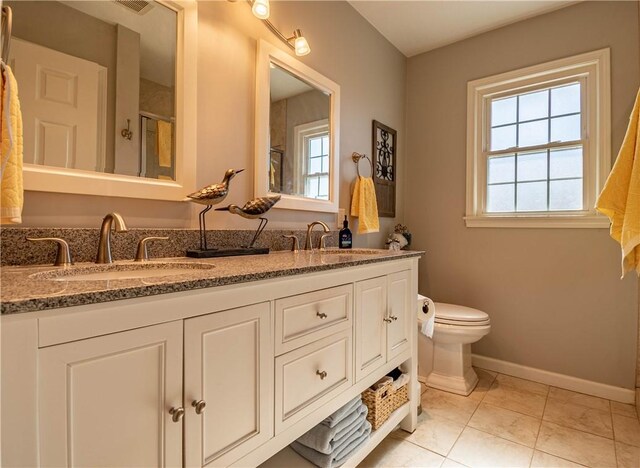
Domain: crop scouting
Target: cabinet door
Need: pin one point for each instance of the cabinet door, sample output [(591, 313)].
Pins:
[(371, 329), (229, 366), (401, 312), (105, 401)]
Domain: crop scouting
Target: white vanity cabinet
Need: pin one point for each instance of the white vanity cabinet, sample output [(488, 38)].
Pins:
[(223, 376), (105, 401), (384, 318), (228, 360)]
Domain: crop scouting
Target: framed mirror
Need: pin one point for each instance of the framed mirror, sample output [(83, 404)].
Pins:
[(297, 132), (107, 91)]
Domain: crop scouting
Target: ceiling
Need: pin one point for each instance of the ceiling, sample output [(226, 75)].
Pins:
[(284, 85), (415, 26)]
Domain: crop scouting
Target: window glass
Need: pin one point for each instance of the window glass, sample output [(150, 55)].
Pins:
[(549, 178)]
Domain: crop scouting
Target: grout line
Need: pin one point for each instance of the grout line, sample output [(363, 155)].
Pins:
[(535, 444), (561, 458)]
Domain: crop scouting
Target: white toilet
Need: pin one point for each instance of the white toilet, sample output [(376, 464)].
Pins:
[(455, 328)]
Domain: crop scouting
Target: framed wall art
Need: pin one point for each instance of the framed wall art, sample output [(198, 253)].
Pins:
[(384, 147)]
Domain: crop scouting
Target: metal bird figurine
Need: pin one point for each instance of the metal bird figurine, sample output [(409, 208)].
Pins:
[(254, 209), (209, 196)]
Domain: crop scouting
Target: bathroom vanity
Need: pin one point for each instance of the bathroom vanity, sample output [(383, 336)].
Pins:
[(223, 365)]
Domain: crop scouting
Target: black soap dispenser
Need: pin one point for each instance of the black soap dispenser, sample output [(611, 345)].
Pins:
[(345, 239)]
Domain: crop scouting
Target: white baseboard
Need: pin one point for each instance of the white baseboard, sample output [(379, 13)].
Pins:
[(610, 392)]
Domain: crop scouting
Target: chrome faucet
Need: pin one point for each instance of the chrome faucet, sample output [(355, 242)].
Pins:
[(104, 244), (308, 245)]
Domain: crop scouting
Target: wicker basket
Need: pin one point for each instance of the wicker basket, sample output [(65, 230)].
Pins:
[(384, 401)]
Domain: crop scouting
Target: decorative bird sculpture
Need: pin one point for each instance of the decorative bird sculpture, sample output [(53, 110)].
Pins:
[(254, 209), (209, 196)]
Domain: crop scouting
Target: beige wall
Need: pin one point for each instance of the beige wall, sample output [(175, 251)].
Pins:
[(554, 295), (345, 48)]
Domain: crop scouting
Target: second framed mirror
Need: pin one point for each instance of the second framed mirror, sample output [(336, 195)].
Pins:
[(297, 132)]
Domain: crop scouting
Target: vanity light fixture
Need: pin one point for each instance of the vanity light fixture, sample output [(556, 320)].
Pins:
[(297, 42), (260, 9)]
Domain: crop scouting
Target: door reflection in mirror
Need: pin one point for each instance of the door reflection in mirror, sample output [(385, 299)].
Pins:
[(87, 70)]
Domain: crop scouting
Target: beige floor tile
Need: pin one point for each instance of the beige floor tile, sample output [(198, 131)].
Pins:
[(628, 456), (579, 417), (394, 453), (567, 396), (576, 446), (522, 384), (626, 430), (624, 409), (475, 448), (485, 379), (434, 433), (516, 396), (544, 460), (436, 403), (448, 463), (507, 424)]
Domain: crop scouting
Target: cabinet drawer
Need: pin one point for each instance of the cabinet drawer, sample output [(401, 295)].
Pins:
[(308, 317), (310, 376)]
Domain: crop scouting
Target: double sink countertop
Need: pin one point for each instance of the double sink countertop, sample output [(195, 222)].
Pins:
[(42, 287)]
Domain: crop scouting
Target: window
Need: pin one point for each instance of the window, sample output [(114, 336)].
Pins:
[(538, 144), (312, 148)]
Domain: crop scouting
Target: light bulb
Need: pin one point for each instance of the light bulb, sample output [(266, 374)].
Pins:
[(301, 45), (260, 9)]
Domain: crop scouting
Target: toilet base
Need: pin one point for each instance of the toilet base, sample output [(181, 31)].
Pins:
[(452, 371), (453, 384)]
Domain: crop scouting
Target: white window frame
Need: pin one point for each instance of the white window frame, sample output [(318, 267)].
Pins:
[(301, 133), (592, 69)]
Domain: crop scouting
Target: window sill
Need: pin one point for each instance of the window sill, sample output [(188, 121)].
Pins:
[(542, 221)]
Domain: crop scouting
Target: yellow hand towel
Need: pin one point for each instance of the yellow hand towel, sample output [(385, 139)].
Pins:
[(365, 206), (11, 193), (620, 198), (165, 143)]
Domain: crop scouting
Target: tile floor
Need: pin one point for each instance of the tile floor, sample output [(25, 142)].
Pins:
[(513, 422)]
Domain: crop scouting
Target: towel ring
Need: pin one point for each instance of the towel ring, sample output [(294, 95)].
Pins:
[(356, 159)]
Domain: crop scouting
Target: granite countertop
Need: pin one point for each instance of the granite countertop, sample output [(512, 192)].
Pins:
[(42, 287)]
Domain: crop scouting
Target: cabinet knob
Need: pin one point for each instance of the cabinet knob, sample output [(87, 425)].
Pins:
[(388, 320), (322, 374), (321, 315), (199, 406), (393, 317), (176, 413)]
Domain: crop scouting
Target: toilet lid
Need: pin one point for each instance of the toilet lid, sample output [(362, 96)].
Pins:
[(459, 315)]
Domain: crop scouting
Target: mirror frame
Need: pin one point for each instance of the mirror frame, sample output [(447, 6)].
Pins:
[(266, 55), (75, 181)]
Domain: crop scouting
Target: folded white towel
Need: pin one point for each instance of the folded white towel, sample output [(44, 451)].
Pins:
[(341, 454), (324, 439), (338, 415)]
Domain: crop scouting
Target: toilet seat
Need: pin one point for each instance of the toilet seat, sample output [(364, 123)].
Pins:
[(451, 314)]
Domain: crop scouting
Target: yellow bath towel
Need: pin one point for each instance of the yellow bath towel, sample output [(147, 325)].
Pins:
[(365, 206), (620, 198), (165, 143), (11, 193)]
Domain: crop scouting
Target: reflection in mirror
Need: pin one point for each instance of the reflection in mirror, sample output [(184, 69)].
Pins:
[(299, 161), (97, 85)]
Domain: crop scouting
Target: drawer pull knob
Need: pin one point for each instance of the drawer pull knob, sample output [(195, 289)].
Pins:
[(176, 414), (321, 315), (388, 320), (199, 406), (394, 318), (322, 374)]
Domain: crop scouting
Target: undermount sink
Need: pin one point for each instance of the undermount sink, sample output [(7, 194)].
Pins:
[(122, 271)]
